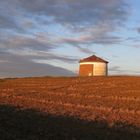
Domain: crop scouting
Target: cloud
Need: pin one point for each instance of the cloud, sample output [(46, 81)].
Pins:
[(7, 22), (138, 29), (95, 19), (24, 42), (28, 31), (117, 70), (40, 55), (35, 47), (19, 57), (136, 45), (85, 50), (97, 34), (71, 12), (17, 66), (91, 39), (53, 56)]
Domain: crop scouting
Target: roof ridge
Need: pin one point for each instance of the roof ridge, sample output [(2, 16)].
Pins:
[(93, 58)]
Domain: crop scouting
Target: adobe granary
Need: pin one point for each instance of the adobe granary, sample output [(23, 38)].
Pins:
[(93, 66)]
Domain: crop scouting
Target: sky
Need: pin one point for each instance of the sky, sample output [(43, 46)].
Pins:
[(49, 37)]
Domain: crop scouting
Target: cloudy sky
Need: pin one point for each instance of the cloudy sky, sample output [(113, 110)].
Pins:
[(48, 37)]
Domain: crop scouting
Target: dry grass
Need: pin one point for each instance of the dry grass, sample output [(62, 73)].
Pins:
[(113, 102)]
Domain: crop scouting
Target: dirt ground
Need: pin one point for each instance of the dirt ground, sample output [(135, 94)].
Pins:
[(76, 108)]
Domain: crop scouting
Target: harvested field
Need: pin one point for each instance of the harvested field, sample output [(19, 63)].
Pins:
[(100, 108)]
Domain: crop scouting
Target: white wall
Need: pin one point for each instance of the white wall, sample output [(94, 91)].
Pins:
[(99, 69)]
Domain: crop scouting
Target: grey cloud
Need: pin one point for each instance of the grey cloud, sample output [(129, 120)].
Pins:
[(85, 50), (84, 14), (10, 23), (70, 12), (136, 45), (17, 66), (114, 56), (108, 40), (115, 68), (12, 16), (73, 12), (95, 20), (99, 34), (36, 47), (7, 22), (118, 70), (23, 42), (40, 55), (138, 30)]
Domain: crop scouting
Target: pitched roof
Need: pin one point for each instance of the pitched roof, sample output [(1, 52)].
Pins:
[(93, 58)]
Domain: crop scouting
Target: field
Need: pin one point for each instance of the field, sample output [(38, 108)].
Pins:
[(100, 108)]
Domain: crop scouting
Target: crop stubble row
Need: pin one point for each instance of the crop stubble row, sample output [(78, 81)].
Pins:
[(112, 98)]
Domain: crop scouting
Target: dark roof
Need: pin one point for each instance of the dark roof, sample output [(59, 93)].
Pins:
[(93, 58)]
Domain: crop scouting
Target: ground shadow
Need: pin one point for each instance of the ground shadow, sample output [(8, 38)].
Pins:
[(17, 124)]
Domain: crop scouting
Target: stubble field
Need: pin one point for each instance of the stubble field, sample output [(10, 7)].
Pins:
[(100, 108)]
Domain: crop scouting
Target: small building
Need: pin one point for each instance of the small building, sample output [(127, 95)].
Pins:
[(93, 66)]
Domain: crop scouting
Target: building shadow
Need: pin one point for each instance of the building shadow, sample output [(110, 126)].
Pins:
[(18, 124)]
